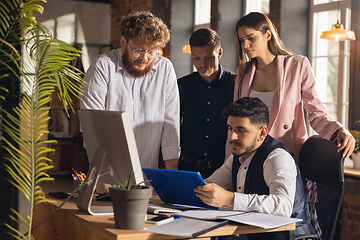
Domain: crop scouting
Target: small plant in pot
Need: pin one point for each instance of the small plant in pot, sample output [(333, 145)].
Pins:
[(130, 204)]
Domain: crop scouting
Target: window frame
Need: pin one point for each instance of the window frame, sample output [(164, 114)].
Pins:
[(342, 104), (249, 6)]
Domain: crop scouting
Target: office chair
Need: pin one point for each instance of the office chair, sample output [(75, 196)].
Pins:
[(320, 162)]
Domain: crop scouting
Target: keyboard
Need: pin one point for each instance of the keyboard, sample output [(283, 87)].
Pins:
[(156, 209)]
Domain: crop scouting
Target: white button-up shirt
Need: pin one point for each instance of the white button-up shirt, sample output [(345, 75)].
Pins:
[(152, 102), (279, 171)]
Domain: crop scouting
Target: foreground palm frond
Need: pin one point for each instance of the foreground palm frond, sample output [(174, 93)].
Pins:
[(48, 67)]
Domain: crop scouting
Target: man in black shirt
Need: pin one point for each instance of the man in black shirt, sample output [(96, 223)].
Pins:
[(203, 96)]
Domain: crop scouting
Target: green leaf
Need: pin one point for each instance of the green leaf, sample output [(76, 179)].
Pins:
[(50, 68)]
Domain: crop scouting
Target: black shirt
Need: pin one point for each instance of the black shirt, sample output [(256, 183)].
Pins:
[(203, 130)]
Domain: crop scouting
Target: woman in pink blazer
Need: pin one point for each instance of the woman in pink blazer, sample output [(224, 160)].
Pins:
[(285, 83)]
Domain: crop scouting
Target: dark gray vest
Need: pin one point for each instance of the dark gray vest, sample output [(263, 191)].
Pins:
[(255, 183)]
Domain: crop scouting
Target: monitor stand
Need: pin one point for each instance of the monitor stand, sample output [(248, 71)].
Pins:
[(87, 191)]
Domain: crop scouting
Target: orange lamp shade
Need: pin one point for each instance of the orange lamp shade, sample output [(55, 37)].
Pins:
[(186, 48), (338, 33)]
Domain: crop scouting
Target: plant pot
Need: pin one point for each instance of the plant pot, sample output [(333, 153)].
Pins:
[(130, 206), (356, 159)]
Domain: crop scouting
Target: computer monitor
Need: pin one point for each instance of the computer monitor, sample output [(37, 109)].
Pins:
[(112, 152)]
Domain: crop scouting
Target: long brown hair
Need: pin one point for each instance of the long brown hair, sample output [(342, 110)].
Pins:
[(262, 23)]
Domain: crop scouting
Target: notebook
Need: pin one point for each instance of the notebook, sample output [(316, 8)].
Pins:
[(176, 186)]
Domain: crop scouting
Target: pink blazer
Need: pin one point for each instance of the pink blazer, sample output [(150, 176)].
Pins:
[(295, 90)]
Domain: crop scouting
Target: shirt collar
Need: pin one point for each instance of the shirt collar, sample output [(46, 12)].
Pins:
[(242, 160), (119, 66), (220, 75), (222, 72)]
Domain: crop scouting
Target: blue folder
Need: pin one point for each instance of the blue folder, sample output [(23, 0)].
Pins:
[(176, 186)]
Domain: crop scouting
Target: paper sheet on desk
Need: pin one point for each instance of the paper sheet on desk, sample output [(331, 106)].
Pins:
[(266, 221), (185, 227), (210, 214), (262, 220)]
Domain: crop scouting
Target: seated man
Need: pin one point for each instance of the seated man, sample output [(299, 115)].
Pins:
[(260, 170)]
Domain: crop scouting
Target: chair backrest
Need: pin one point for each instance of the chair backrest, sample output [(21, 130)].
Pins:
[(320, 162)]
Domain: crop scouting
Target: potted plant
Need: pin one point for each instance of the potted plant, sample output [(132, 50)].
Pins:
[(130, 204), (355, 156), (31, 58)]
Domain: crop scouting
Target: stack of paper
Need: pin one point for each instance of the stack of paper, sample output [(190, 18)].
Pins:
[(186, 227), (193, 228)]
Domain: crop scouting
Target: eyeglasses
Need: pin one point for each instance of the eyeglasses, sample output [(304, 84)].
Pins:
[(140, 52)]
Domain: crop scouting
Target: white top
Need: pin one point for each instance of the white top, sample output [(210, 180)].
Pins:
[(152, 102), (279, 175), (266, 97)]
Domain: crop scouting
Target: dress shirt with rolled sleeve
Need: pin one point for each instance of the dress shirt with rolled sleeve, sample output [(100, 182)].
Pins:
[(152, 102), (279, 171)]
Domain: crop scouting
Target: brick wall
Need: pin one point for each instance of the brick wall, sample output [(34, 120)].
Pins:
[(123, 7), (350, 211)]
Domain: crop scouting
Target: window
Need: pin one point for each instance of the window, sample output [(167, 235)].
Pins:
[(330, 59), (63, 28), (202, 13), (83, 29), (262, 6), (202, 16)]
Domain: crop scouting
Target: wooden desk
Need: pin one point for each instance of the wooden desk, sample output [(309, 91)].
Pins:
[(351, 172), (70, 223)]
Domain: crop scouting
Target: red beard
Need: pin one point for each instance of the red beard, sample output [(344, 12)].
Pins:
[(132, 69)]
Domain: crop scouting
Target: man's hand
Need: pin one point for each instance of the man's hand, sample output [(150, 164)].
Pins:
[(214, 195), (345, 141), (172, 164)]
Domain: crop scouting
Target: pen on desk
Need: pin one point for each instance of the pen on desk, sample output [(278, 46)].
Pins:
[(241, 213), (176, 216), (76, 174), (74, 178)]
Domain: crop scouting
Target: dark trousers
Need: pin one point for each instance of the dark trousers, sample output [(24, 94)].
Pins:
[(204, 167)]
